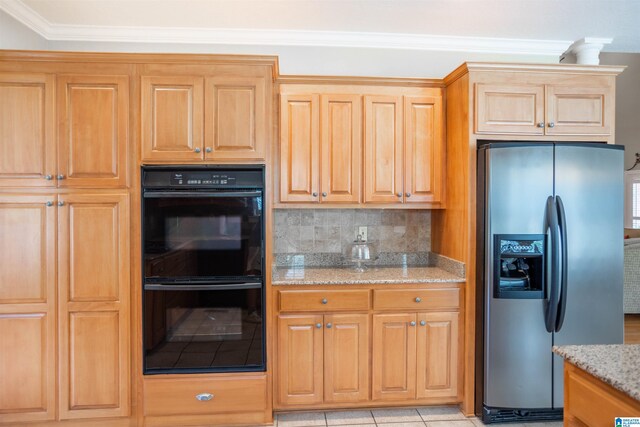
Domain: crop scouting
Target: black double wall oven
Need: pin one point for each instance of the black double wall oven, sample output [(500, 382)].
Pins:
[(203, 269)]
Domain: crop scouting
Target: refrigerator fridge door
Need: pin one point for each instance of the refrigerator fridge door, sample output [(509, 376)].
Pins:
[(517, 353), (589, 182)]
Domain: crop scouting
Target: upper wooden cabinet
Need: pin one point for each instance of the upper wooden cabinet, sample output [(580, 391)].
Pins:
[(404, 149), (205, 118), (93, 113), (93, 126), (320, 143), (544, 109), (323, 157), (27, 130)]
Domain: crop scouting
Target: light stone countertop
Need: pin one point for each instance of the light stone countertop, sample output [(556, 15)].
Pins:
[(616, 364), (372, 276)]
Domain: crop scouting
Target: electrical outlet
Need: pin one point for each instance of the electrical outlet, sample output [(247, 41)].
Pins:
[(362, 231)]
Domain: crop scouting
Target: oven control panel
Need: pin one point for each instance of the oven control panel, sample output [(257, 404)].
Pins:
[(200, 178), (163, 177)]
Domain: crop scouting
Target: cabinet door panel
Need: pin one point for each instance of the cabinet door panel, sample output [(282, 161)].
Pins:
[(27, 130), (300, 359), (394, 357), (437, 355), (341, 143), (346, 358), (94, 235), (27, 367), (579, 110), (424, 150), (383, 145), (513, 109), (299, 156), (172, 118), (236, 112), (93, 140), (93, 277), (27, 270)]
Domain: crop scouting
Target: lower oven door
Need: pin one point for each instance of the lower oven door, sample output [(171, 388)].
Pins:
[(193, 329)]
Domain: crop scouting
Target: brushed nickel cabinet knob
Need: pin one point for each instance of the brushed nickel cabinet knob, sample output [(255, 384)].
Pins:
[(541, 124), (197, 149), (208, 149)]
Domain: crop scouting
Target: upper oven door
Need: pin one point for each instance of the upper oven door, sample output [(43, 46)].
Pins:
[(202, 234)]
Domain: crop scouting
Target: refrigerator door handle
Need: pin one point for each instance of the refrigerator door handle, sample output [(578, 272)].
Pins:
[(551, 304), (562, 301)]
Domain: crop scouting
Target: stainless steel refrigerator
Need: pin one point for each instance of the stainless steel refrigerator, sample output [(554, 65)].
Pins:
[(550, 265)]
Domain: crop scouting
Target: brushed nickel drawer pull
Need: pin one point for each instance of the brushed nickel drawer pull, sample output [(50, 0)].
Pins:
[(204, 397), (423, 323), (324, 300), (418, 299)]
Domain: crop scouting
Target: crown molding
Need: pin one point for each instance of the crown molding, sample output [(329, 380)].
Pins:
[(55, 32)]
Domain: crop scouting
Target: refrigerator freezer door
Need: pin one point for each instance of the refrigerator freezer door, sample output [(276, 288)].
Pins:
[(590, 182), (517, 353)]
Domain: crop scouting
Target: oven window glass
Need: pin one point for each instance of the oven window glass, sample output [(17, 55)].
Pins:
[(203, 331), (202, 237)]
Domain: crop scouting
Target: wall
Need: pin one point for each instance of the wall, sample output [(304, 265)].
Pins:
[(330, 231), (14, 35), (627, 102)]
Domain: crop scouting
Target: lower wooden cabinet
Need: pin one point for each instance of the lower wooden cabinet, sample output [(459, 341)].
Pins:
[(65, 267), (405, 349), (323, 358), (415, 356)]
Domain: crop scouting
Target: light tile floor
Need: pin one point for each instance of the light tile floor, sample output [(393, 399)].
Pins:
[(430, 416)]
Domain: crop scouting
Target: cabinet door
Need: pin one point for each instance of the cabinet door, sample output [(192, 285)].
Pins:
[(299, 144), (341, 142), (172, 118), (383, 149), (94, 122), (27, 130), (236, 118), (93, 277), (27, 308), (511, 109), (437, 356), (346, 358), (394, 357), (424, 149), (299, 378), (579, 110)]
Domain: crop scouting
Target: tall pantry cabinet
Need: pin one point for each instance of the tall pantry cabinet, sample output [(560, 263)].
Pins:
[(64, 222)]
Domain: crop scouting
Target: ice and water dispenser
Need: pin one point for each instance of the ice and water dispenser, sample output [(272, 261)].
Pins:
[(519, 270)]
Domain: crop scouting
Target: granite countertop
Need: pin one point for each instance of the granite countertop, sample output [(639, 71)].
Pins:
[(373, 275), (617, 364)]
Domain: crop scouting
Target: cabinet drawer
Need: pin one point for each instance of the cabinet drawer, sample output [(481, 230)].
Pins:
[(177, 396), (347, 300), (416, 299)]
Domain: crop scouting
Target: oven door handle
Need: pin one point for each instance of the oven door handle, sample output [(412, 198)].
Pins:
[(184, 194), (221, 287)]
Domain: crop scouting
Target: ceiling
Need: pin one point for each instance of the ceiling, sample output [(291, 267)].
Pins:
[(361, 23)]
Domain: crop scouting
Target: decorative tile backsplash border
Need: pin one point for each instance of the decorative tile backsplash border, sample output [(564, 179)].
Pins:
[(323, 231)]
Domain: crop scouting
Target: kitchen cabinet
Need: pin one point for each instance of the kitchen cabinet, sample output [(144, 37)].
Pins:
[(404, 149), (544, 109), (323, 158), (93, 298), (205, 117), (27, 130), (84, 238), (393, 345), (415, 356), (27, 308), (92, 130), (320, 148), (323, 358)]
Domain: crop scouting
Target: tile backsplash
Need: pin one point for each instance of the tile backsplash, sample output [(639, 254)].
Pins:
[(304, 231)]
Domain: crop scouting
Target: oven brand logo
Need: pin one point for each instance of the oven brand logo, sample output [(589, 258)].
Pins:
[(627, 422)]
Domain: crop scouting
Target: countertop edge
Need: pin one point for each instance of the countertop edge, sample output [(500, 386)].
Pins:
[(566, 353)]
